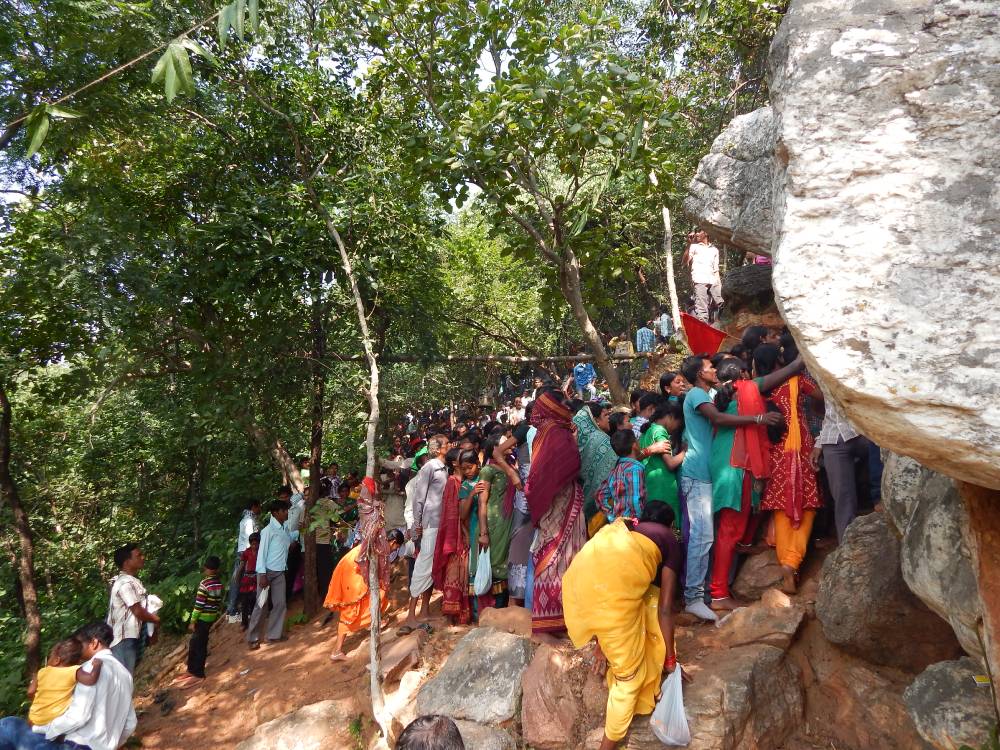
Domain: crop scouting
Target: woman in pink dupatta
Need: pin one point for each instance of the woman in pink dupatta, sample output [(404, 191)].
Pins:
[(555, 501)]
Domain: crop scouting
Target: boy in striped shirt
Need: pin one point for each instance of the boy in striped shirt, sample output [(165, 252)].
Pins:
[(207, 606)]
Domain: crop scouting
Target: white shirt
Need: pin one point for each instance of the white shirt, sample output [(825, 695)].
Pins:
[(704, 263), (516, 416), (100, 716), (295, 514), (248, 525), (126, 590)]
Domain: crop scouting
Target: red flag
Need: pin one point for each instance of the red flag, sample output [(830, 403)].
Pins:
[(702, 338)]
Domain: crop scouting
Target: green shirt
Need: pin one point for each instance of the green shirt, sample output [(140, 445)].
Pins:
[(661, 482)]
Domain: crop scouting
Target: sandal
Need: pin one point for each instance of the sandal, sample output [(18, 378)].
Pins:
[(405, 630), (426, 626)]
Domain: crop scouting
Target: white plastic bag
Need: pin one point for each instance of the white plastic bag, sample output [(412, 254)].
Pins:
[(484, 573), (668, 721)]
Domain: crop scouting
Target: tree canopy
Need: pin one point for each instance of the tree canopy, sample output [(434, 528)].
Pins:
[(187, 184)]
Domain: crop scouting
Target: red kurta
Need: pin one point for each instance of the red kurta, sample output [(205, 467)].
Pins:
[(792, 486)]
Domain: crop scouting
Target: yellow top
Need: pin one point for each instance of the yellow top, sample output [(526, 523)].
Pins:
[(53, 694)]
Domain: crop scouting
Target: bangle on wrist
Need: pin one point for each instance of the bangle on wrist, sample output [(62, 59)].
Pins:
[(671, 662)]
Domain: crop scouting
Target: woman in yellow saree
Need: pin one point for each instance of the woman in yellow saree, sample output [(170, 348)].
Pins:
[(628, 612)]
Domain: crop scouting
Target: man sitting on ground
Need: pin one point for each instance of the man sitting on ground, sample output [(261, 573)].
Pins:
[(99, 717)]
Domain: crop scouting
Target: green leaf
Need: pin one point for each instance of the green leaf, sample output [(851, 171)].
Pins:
[(636, 137), (62, 113), (254, 7), (580, 222), (238, 16), (160, 69), (38, 128), (604, 140), (182, 64), (170, 78), (225, 21), (197, 49)]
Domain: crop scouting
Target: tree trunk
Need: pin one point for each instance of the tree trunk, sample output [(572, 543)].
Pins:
[(668, 261), (378, 700), (310, 593), (26, 558), (569, 282), (276, 449)]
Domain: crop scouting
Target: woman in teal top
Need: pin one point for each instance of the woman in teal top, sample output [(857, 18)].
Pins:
[(661, 479)]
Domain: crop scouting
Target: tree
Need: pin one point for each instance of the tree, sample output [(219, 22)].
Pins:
[(540, 116)]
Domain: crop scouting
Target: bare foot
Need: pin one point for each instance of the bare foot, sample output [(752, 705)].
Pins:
[(725, 605), (339, 656), (788, 580)]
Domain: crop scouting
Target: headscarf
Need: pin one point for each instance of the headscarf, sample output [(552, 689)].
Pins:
[(555, 459), (751, 448), (372, 531), (597, 457)]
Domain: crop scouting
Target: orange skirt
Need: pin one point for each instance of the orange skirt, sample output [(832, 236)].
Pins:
[(348, 594)]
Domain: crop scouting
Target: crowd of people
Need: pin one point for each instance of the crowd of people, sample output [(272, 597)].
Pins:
[(530, 505)]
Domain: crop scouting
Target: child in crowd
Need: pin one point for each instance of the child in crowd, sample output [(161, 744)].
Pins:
[(52, 690), (623, 493), (661, 481), (248, 579), (207, 605)]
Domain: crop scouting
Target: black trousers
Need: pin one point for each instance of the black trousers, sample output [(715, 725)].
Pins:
[(198, 648), (247, 599), (324, 568), (294, 561)]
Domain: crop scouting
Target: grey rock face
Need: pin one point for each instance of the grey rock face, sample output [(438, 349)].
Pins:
[(311, 727), (887, 218), (730, 195), (866, 608), (925, 508), (947, 706), (744, 698), (481, 681), (484, 738)]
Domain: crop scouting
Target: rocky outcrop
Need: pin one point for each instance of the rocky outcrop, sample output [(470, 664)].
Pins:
[(730, 195), (748, 288), (757, 574), (314, 727), (773, 621), (516, 620), (949, 708), (866, 608), (481, 681), (484, 738), (551, 711), (928, 513), (887, 211)]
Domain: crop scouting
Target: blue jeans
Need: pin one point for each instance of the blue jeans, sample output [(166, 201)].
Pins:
[(698, 496), (234, 587), (127, 652), (15, 734)]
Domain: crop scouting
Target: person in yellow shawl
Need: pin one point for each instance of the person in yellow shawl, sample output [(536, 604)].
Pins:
[(348, 593), (629, 612)]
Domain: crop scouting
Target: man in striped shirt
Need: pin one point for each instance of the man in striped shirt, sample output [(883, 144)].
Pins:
[(207, 606)]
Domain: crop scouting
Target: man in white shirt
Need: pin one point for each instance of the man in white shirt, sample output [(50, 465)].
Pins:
[(127, 610), (703, 258), (248, 525), (428, 492), (100, 717), (841, 446)]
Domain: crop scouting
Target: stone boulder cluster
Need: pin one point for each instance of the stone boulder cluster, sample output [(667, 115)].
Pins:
[(871, 180)]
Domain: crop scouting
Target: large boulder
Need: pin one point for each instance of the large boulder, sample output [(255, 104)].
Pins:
[(928, 513), (774, 621), (866, 608), (481, 681), (730, 195), (551, 710), (741, 699), (887, 211), (748, 289), (314, 727), (949, 707), (757, 574), (484, 738)]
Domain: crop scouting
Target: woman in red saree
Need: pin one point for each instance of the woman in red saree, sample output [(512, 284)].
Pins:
[(791, 492), (451, 551), (555, 501)]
